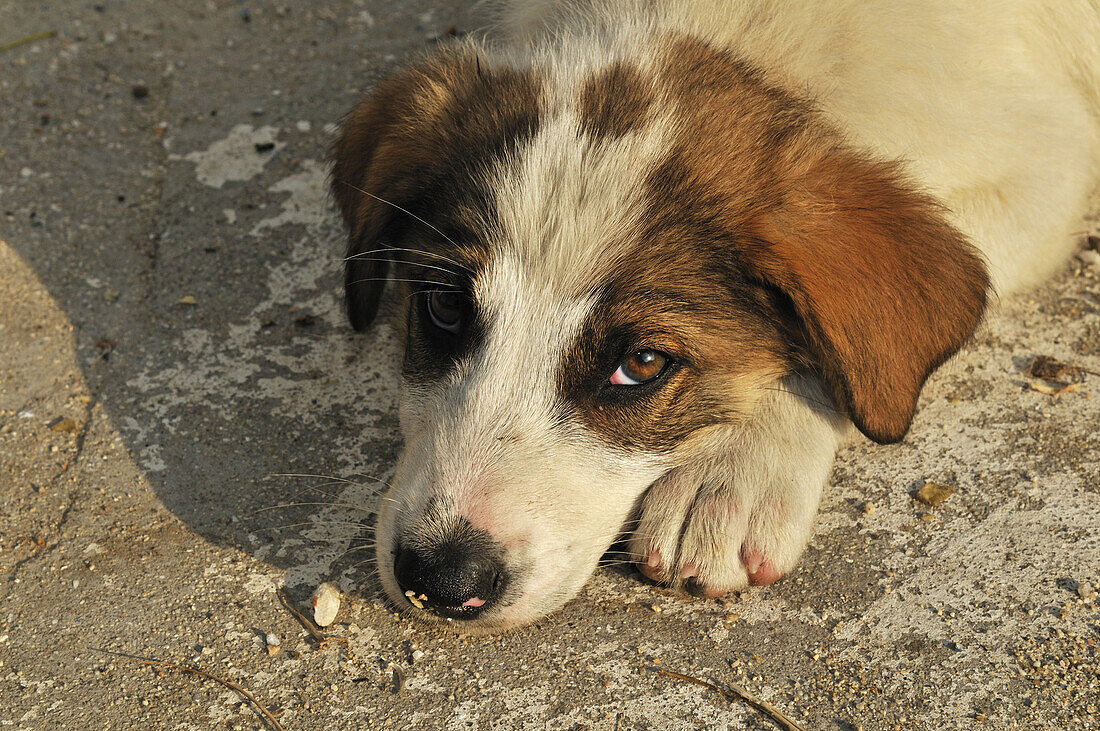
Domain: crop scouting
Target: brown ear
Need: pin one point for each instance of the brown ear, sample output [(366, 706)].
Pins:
[(412, 149), (364, 174), (886, 288)]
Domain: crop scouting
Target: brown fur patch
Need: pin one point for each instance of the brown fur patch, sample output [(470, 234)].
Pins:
[(724, 336), (884, 287), (615, 101), (422, 141)]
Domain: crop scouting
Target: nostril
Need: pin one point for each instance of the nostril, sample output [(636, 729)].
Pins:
[(452, 579)]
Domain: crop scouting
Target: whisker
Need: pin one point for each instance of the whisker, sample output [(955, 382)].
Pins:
[(286, 506), (406, 211), (317, 523), (362, 257), (410, 281), (422, 252)]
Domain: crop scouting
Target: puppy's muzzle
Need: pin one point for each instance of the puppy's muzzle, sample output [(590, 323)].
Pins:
[(459, 577)]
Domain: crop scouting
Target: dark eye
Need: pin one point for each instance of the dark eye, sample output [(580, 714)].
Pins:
[(638, 368), (447, 309)]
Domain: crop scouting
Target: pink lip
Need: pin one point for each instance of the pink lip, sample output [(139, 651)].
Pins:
[(473, 602)]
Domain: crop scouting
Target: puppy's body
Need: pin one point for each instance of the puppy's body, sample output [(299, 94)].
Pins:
[(992, 106), (779, 201)]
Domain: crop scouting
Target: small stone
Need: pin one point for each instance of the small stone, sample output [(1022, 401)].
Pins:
[(139, 91), (326, 604), (303, 125), (26, 172), (417, 655), (62, 424), (188, 300), (111, 295), (868, 508), (1085, 590), (932, 494), (274, 646)]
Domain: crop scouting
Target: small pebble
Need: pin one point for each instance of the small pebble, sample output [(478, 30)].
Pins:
[(188, 300), (868, 508), (417, 655), (1084, 589), (326, 604), (139, 91), (62, 424), (932, 494)]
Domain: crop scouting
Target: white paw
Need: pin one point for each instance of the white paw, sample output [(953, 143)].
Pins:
[(742, 512)]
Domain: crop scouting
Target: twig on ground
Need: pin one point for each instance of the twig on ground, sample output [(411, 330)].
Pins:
[(261, 710), (314, 632), (736, 692), (28, 39)]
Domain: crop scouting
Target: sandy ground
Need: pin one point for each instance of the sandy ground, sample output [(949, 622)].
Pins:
[(173, 362)]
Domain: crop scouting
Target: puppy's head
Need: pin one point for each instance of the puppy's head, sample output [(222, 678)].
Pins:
[(600, 261)]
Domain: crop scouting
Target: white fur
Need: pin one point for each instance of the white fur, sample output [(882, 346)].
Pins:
[(1009, 142)]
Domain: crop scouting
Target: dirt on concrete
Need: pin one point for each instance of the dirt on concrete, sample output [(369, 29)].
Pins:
[(186, 423)]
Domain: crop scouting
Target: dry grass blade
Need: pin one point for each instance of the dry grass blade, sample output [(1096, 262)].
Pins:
[(736, 692), (314, 632), (260, 709), (28, 39)]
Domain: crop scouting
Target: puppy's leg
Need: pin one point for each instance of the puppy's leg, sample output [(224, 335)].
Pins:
[(742, 513)]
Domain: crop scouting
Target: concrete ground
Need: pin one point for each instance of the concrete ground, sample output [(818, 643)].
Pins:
[(174, 365)]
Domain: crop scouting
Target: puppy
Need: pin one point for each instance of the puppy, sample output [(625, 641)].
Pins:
[(655, 259)]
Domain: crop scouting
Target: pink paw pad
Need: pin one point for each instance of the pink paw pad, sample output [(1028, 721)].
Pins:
[(760, 570), (651, 568)]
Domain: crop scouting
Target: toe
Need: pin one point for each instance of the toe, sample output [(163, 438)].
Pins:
[(761, 571), (652, 567)]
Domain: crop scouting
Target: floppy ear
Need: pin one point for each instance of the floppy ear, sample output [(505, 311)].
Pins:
[(886, 288), (366, 170), (384, 160), (416, 146)]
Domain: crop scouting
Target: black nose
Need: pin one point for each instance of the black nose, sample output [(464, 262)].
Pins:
[(458, 578)]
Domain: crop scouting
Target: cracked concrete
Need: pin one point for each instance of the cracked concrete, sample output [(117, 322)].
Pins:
[(170, 282)]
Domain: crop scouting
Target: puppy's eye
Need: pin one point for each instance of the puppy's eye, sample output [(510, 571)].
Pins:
[(641, 367), (447, 309)]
